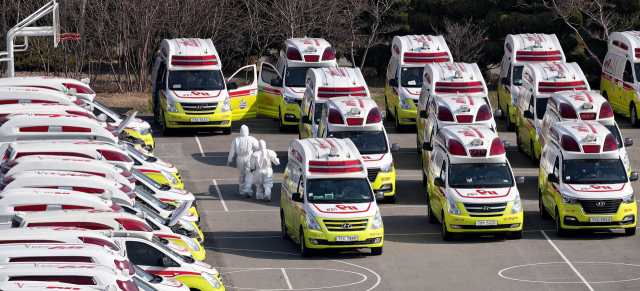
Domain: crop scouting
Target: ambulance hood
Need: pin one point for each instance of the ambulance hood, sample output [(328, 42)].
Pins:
[(333, 210), (483, 195), (203, 267), (596, 191), (412, 93), (376, 160)]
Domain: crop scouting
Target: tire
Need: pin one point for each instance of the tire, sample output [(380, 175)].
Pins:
[(283, 227), (398, 126), (560, 232), (630, 231), (510, 126), (226, 130), (165, 130), (446, 235), (518, 144), (389, 116), (503, 115), (418, 145), (517, 234), (304, 251), (390, 199), (281, 127), (432, 218), (605, 95), (535, 162), (544, 214), (424, 176), (633, 114), (376, 251)]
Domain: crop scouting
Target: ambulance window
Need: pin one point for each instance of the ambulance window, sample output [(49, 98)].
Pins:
[(592, 171), (627, 75), (301, 185), (556, 167), (268, 73), (143, 254), (636, 66), (161, 71), (541, 106), (517, 75), (317, 114), (295, 77), (509, 73), (196, 80), (616, 134), (412, 77)]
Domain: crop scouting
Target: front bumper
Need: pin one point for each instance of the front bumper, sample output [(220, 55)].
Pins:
[(182, 119), (290, 113), (512, 114), (386, 181), (325, 239), (466, 222), (573, 217), (197, 282), (407, 116)]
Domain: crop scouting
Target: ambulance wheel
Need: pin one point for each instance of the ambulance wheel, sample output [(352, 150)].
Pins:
[(399, 127), (166, 131), (543, 211), (418, 145), (389, 116), (630, 231), (634, 115), (605, 95), (304, 251), (518, 144), (390, 199), (500, 107), (424, 176), (446, 235), (560, 232), (432, 218), (516, 234), (534, 161), (226, 130), (282, 127), (283, 227), (510, 126), (376, 251)]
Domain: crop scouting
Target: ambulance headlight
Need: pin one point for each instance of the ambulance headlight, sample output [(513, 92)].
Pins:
[(516, 206), (141, 131), (190, 243), (312, 222), (172, 179), (226, 105), (289, 99), (628, 199), (187, 225), (452, 207), (404, 104), (569, 200), (377, 221), (211, 280), (171, 107), (388, 168)]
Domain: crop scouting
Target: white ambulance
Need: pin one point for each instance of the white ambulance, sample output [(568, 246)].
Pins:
[(89, 219), (620, 80), (163, 192), (189, 90), (519, 50), (156, 168), (327, 200), (89, 275), (50, 108), (144, 197), (158, 282), (87, 183), (281, 87), (48, 286), (70, 235), (138, 128), (471, 187), (359, 120), (17, 95), (583, 183), (52, 84), (323, 84), (583, 106), (409, 55), (539, 81)]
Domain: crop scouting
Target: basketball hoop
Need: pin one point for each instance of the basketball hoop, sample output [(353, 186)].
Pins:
[(68, 36)]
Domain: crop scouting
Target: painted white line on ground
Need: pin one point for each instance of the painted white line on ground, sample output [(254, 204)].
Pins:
[(566, 260), (220, 195), (286, 278), (526, 172), (257, 210), (279, 236), (238, 237), (199, 146)]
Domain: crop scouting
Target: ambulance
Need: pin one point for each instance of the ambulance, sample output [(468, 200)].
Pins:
[(322, 85), (47, 286), (327, 200), (165, 193), (65, 253), (452, 90), (471, 187), (153, 167), (583, 105), (160, 207), (409, 55), (137, 129), (150, 253), (87, 183), (621, 74), (18, 95), (281, 87), (47, 108), (359, 120), (519, 50), (68, 164), (158, 282), (69, 235), (189, 90), (52, 84), (88, 275), (583, 183), (539, 81)]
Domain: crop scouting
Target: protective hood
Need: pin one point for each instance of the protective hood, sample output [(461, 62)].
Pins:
[(244, 130), (264, 154), (126, 122), (179, 212)]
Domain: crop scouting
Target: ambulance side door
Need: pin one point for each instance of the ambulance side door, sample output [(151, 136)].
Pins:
[(437, 196), (298, 212), (307, 110), (627, 89), (158, 86), (243, 99), (553, 167), (527, 124), (504, 92), (617, 86), (269, 90), (391, 92), (607, 81), (422, 106), (287, 190)]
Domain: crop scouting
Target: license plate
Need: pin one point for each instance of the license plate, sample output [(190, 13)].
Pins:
[(200, 119), (599, 219), (486, 222), (346, 238)]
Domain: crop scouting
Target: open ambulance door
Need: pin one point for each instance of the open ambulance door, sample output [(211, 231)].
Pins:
[(270, 91), (243, 99)]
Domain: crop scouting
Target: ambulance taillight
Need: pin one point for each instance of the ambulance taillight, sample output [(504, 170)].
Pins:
[(569, 144), (605, 110), (610, 143), (7, 166), (121, 265), (127, 286), (130, 224), (496, 147), (456, 148), (81, 113), (115, 156), (483, 113), (335, 117), (374, 116), (328, 54), (99, 242), (354, 121), (127, 190), (566, 111), (444, 114), (293, 54), (79, 88)]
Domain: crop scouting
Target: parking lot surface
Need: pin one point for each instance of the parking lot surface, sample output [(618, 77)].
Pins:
[(243, 238)]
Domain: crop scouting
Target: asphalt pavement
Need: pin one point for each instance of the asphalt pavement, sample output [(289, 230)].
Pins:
[(242, 235)]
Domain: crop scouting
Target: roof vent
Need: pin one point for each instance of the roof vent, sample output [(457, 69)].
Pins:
[(561, 75), (591, 138), (476, 142), (537, 44), (425, 46), (458, 74), (464, 108), (587, 105), (311, 49), (333, 152), (354, 111)]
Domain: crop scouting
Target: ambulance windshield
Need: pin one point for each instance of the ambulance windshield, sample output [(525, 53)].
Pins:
[(412, 77), (196, 80), (517, 75), (339, 191), (480, 176), (593, 171), (295, 77), (367, 142)]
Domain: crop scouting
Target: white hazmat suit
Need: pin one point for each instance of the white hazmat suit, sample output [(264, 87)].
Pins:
[(261, 161), (243, 146)]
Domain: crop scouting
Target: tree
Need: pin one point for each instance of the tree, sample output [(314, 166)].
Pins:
[(465, 39)]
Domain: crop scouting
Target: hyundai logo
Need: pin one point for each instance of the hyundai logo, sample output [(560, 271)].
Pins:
[(486, 208), (346, 225), (600, 204), (199, 107)]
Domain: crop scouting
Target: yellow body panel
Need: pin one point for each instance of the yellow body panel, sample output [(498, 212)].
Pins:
[(324, 234), (385, 178), (199, 255), (198, 282), (147, 138), (158, 177)]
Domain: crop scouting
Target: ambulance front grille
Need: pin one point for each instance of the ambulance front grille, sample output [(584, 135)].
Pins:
[(600, 206), (372, 174), (199, 106), (345, 224), (485, 207)]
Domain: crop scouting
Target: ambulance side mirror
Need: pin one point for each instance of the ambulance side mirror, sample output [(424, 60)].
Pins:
[(528, 114), (275, 83), (438, 182), (306, 119), (497, 113), (633, 176), (628, 142), (552, 178), (297, 197), (166, 262), (505, 81), (395, 147), (519, 180), (427, 146), (423, 114), (393, 83), (232, 86)]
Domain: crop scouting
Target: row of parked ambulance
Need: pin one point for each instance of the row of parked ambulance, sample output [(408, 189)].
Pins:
[(84, 203)]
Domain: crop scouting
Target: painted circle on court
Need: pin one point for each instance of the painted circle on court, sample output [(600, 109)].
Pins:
[(355, 278), (561, 273)]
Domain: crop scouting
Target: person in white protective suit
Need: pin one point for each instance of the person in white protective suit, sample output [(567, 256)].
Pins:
[(243, 146), (261, 167)]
